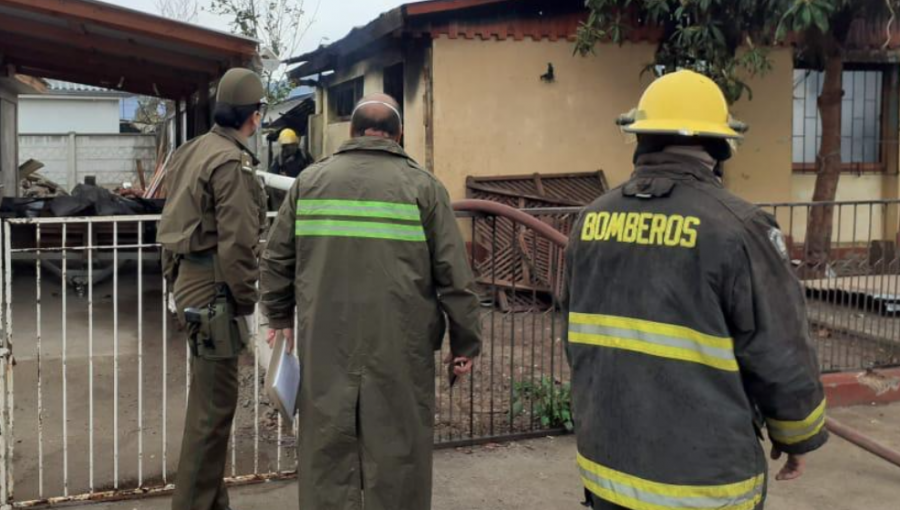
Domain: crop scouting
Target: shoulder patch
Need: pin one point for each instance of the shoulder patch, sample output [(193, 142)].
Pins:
[(777, 240), (247, 164)]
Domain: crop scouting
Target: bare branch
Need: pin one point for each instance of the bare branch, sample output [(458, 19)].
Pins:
[(890, 24), (181, 10)]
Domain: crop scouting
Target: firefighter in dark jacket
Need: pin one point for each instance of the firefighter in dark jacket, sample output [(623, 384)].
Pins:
[(291, 160), (210, 231), (687, 328), (367, 248)]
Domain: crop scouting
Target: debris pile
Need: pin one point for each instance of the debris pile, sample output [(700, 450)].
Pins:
[(34, 185)]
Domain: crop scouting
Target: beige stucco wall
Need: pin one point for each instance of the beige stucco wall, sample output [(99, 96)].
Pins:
[(372, 70), (852, 224), (761, 169), (494, 116)]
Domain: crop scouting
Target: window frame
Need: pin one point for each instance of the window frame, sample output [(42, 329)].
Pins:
[(887, 133), (356, 87)]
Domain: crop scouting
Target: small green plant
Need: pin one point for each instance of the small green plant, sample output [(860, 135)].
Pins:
[(552, 402)]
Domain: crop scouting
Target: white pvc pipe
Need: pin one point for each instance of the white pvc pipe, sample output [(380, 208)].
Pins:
[(276, 181)]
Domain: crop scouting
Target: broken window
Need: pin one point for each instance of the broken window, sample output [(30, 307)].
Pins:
[(343, 98)]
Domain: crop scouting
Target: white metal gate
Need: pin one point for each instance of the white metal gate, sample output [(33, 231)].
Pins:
[(101, 369)]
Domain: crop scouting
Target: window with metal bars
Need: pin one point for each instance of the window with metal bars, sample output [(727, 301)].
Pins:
[(862, 114), (343, 98)]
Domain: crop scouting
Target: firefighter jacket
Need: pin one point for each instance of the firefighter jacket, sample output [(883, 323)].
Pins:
[(290, 166), (216, 206), (686, 329), (367, 247)]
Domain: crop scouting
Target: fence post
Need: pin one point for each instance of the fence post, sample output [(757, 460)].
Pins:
[(6, 387), (72, 160)]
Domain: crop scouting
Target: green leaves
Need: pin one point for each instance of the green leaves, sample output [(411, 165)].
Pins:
[(551, 402)]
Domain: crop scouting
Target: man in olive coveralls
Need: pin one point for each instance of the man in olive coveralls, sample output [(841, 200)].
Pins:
[(210, 232), (367, 248)]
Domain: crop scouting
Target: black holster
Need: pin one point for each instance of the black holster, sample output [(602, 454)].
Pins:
[(215, 333)]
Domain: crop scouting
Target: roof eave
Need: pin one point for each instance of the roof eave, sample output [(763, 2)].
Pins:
[(325, 58)]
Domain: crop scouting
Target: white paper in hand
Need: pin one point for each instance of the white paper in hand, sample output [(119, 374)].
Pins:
[(283, 379)]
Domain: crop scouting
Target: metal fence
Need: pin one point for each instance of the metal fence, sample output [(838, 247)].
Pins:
[(853, 288), (93, 402), (101, 368)]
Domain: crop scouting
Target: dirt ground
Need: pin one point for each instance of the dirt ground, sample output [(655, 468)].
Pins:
[(541, 475), (139, 387)]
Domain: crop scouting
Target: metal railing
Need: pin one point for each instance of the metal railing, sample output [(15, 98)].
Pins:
[(853, 286), (102, 368)]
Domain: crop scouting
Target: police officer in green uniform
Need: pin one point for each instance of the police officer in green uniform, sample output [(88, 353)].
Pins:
[(210, 233), (687, 328)]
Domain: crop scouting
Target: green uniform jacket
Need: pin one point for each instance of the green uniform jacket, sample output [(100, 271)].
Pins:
[(687, 329), (216, 205), (368, 248)]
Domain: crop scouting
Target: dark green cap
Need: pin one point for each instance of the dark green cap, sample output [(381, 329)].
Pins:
[(240, 87)]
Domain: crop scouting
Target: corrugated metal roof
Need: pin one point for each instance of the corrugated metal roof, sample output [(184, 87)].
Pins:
[(65, 86)]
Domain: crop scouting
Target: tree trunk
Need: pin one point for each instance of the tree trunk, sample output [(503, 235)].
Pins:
[(828, 167)]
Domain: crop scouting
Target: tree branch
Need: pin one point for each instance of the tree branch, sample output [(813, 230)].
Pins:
[(890, 24)]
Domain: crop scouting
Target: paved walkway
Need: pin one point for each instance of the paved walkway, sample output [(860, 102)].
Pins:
[(540, 475)]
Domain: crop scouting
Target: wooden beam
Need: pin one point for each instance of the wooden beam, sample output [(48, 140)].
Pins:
[(103, 45), (130, 21), (35, 49), (78, 64), (164, 90)]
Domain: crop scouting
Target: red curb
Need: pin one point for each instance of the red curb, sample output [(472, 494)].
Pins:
[(847, 389)]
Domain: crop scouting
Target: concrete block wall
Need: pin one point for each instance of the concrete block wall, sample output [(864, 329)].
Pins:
[(68, 158)]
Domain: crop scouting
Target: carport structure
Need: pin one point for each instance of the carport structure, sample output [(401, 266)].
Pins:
[(94, 43)]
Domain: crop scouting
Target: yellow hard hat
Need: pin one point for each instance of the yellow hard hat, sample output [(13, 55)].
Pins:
[(288, 137), (683, 103)]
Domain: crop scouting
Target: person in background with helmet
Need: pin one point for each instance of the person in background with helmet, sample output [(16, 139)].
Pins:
[(290, 162), (687, 328), (210, 231), (291, 159)]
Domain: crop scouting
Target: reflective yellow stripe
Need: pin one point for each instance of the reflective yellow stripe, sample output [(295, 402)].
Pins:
[(792, 432), (640, 494), (653, 338), (360, 230), (658, 328), (358, 209)]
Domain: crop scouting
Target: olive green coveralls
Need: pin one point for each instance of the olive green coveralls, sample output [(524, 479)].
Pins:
[(210, 231), (368, 249)]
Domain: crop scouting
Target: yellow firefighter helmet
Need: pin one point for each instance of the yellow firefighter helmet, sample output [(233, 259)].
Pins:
[(288, 137), (683, 103)]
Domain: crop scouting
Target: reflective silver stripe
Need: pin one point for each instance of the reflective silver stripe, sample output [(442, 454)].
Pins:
[(680, 503), (357, 211), (359, 229), (653, 338), (804, 432)]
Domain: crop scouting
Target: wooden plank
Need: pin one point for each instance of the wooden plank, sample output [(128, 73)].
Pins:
[(539, 185), (502, 192), (131, 21), (140, 171), (100, 45), (528, 177)]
